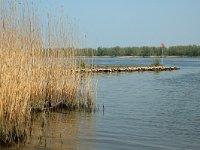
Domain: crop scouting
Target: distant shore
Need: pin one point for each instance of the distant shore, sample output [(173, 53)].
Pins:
[(144, 57)]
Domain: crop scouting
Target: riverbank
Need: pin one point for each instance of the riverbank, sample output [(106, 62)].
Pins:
[(118, 69), (145, 57)]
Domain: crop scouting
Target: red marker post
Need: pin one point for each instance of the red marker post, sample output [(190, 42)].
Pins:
[(162, 46)]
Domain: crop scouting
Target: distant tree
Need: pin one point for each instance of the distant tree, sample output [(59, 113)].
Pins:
[(190, 50)]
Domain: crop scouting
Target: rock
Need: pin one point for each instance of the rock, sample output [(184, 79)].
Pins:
[(109, 69)]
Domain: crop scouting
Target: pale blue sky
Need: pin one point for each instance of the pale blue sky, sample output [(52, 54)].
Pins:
[(131, 22)]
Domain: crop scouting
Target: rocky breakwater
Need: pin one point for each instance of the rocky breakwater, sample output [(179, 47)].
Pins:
[(118, 69)]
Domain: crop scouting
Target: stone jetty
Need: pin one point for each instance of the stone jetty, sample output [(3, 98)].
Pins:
[(118, 69)]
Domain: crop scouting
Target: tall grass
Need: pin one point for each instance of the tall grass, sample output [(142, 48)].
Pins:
[(38, 64)]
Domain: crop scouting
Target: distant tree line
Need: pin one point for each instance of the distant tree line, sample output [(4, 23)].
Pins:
[(190, 50)]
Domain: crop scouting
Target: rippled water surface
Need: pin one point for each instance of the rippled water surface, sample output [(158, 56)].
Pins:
[(143, 111)]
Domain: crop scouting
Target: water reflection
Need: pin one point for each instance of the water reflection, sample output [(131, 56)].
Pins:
[(58, 131)]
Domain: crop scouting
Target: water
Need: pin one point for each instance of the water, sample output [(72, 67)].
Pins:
[(143, 111)]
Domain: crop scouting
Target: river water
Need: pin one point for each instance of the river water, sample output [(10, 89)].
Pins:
[(142, 111)]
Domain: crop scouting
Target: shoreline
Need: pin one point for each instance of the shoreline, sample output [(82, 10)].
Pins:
[(144, 57)]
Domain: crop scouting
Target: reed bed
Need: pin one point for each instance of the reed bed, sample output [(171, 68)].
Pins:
[(39, 67)]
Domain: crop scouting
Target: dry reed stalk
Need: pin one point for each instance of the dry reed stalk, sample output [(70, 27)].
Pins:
[(34, 70)]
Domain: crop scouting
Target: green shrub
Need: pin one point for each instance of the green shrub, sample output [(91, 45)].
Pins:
[(156, 62)]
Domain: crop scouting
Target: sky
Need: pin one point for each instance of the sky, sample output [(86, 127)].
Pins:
[(109, 23)]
